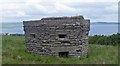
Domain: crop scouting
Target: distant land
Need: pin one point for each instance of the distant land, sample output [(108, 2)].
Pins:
[(91, 22), (96, 28), (104, 23)]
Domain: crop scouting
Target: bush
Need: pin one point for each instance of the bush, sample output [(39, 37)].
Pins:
[(105, 40)]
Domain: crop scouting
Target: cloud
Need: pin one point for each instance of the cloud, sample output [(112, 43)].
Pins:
[(64, 8), (96, 10), (112, 8)]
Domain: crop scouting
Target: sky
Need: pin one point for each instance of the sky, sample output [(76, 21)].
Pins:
[(95, 10)]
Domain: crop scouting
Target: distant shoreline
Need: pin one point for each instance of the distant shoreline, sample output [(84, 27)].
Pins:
[(96, 28), (91, 22), (105, 23)]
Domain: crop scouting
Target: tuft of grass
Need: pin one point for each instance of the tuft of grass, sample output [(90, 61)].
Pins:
[(14, 52)]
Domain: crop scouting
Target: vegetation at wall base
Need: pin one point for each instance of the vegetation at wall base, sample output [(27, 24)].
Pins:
[(14, 52)]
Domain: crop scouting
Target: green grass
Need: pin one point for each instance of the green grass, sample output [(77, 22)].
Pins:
[(14, 52)]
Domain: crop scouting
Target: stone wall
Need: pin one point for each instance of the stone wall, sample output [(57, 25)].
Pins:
[(58, 36)]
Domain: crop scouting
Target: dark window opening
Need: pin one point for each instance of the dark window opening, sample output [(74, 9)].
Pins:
[(62, 35), (32, 35), (65, 41), (63, 54), (78, 50)]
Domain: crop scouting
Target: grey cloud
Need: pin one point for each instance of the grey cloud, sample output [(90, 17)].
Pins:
[(93, 10)]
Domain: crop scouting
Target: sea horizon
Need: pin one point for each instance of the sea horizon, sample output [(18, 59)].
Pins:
[(96, 28)]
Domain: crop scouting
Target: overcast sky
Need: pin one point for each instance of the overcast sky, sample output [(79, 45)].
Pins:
[(95, 10)]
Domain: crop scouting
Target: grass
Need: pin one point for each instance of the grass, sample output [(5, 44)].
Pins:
[(14, 52)]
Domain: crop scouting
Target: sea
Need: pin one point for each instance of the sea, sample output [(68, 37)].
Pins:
[(95, 29)]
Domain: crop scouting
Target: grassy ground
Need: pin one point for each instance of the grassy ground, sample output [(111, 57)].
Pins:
[(13, 48), (0, 50)]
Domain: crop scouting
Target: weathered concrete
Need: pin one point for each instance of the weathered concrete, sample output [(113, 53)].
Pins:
[(58, 36)]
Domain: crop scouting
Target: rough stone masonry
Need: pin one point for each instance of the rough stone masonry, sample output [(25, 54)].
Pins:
[(58, 36)]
